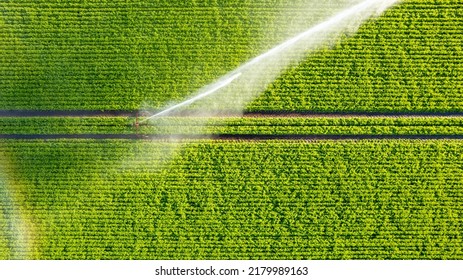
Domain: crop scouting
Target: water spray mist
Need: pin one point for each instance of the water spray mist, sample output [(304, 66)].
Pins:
[(254, 75)]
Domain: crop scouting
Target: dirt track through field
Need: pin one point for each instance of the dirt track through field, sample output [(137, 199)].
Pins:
[(269, 114), (236, 137), (244, 137)]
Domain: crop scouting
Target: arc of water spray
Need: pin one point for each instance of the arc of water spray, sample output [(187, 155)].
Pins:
[(315, 29), (215, 88), (279, 48)]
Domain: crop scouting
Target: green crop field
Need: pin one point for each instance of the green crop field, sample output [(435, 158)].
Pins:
[(208, 185), (409, 60), (119, 55), (218, 200)]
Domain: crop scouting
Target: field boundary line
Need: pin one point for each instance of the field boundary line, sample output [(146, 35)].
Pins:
[(250, 114), (245, 137)]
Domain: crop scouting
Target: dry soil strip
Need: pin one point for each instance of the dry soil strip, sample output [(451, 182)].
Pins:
[(272, 114), (244, 137)]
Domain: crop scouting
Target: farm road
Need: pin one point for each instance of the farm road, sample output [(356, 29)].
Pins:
[(261, 114), (244, 137)]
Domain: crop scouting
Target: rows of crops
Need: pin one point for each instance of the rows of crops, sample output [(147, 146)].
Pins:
[(117, 55), (214, 200), (4, 228), (408, 60), (236, 126)]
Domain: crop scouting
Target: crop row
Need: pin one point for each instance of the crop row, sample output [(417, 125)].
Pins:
[(117, 55), (253, 126), (240, 200), (66, 125), (390, 65)]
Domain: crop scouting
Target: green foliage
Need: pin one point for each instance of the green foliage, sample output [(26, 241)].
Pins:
[(119, 54), (66, 125), (408, 60), (242, 200), (113, 199), (4, 230)]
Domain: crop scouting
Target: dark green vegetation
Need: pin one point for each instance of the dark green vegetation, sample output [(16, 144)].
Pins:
[(114, 199), (409, 60), (119, 54), (4, 229), (220, 200), (68, 125), (237, 126)]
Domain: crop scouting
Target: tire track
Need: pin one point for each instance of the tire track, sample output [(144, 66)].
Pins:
[(192, 113), (245, 137)]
